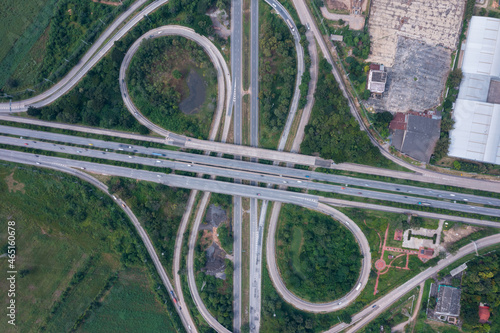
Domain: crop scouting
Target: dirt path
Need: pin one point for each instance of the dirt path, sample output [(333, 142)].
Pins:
[(416, 310)]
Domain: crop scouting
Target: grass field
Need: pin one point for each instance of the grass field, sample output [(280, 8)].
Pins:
[(130, 306), (70, 240), (22, 24)]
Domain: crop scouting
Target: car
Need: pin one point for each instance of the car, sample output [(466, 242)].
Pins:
[(130, 146), (123, 205), (38, 163), (374, 306), (78, 151), (452, 195), (466, 199), (340, 303), (136, 113), (158, 161), (159, 176), (258, 194), (398, 189), (91, 144), (25, 144), (189, 165), (274, 5), (129, 156), (284, 182), (342, 188), (299, 181)]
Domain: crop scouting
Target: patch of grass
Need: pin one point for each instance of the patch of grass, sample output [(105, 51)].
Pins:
[(129, 306), (295, 246)]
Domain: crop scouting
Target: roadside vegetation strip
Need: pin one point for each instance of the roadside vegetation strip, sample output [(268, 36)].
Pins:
[(159, 208), (277, 67), (312, 264), (72, 261)]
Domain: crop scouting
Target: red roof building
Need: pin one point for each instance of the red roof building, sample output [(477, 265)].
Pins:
[(425, 254), (484, 313)]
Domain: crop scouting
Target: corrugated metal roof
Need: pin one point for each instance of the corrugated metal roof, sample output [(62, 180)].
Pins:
[(476, 134)]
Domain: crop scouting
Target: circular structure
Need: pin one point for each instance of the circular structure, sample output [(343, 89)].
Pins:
[(318, 258), (300, 303), (214, 55), (380, 264)]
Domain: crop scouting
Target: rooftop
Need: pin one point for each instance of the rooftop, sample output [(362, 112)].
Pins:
[(448, 301), (476, 135)]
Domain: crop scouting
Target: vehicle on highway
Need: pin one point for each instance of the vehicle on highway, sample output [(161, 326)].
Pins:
[(123, 205), (78, 151), (290, 24), (38, 163), (91, 144), (358, 286), (424, 203), (258, 194), (25, 144)]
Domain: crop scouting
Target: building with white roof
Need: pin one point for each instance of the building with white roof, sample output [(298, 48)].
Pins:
[(476, 135)]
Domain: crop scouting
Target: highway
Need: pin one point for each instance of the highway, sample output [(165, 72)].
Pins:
[(214, 55), (257, 176), (237, 75), (422, 175), (299, 303), (378, 307), (183, 312), (98, 50)]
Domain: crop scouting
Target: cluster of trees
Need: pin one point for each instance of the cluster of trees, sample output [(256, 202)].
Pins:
[(481, 284), (157, 95), (323, 269), (447, 122), (217, 295), (381, 123), (277, 71), (358, 41), (159, 208), (96, 101), (332, 131), (73, 22)]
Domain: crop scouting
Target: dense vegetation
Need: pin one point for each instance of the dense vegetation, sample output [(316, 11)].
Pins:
[(54, 42), (71, 241), (480, 284), (225, 229), (217, 294), (96, 100), (381, 123), (333, 131), (159, 208), (313, 262), (277, 70), (157, 84)]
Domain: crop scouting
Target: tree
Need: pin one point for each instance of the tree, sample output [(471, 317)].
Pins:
[(177, 74), (34, 112), (455, 77)]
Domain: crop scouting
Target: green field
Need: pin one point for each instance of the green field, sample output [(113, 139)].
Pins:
[(71, 239), (313, 263), (130, 306), (44, 40)]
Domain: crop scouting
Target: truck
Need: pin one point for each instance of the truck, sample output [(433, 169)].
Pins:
[(424, 203), (157, 154), (359, 286), (290, 24)]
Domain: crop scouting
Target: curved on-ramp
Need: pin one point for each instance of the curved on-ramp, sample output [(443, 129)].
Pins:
[(298, 302), (212, 51), (88, 61)]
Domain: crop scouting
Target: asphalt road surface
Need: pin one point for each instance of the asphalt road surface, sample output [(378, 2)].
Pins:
[(299, 303), (258, 177)]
